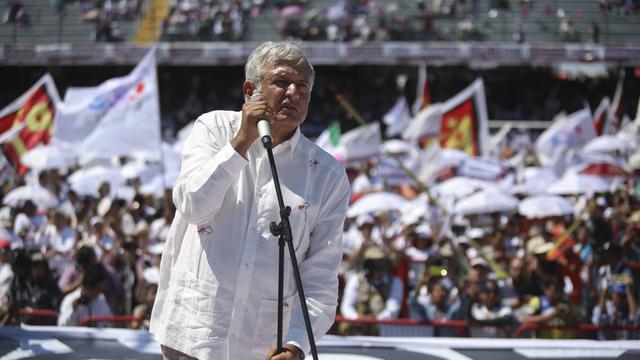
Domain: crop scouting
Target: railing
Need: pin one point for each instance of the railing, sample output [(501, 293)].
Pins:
[(395, 327), (458, 328)]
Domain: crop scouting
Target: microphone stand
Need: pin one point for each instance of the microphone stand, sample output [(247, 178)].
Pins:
[(283, 231)]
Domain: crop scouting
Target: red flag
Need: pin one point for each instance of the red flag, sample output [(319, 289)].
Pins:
[(464, 123), (31, 117), (600, 116), (423, 95)]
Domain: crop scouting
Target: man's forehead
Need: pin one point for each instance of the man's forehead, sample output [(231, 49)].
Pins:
[(286, 69)]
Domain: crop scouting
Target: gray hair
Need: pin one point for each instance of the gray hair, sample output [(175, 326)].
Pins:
[(276, 51)]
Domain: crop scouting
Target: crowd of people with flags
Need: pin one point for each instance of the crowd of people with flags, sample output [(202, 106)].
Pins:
[(446, 223)]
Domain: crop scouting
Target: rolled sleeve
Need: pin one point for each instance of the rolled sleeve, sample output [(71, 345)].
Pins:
[(209, 166)]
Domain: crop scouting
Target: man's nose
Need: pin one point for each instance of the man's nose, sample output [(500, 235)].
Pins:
[(293, 90)]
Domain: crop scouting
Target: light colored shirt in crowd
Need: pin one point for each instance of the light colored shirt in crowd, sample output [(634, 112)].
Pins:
[(60, 240), (6, 278), (70, 317), (217, 297), (350, 299)]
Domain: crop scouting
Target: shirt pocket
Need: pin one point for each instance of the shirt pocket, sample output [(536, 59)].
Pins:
[(195, 304), (266, 329)]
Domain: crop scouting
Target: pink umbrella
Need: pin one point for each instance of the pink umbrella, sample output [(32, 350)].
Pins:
[(291, 10)]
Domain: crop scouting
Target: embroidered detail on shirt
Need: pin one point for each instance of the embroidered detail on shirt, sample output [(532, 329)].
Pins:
[(192, 283), (233, 129), (314, 162), (304, 206), (205, 229)]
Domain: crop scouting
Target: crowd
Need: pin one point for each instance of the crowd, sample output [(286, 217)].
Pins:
[(69, 255), (206, 20)]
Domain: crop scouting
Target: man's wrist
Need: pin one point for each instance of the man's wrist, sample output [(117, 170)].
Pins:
[(295, 350)]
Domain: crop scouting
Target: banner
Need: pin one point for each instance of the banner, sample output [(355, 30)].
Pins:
[(120, 117), (28, 121), (567, 133), (465, 124)]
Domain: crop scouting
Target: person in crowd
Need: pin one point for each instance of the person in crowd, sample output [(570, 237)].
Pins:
[(435, 304), (374, 291), (225, 179), (34, 287), (489, 310), (6, 278), (86, 301), (553, 311), (616, 306)]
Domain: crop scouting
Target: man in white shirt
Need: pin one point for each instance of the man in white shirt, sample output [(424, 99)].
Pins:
[(217, 296), (6, 275), (86, 301)]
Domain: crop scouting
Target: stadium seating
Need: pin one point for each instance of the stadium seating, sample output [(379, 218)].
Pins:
[(541, 23)]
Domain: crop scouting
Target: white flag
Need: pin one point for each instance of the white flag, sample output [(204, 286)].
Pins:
[(565, 134), (426, 124), (360, 143), (119, 117), (397, 119)]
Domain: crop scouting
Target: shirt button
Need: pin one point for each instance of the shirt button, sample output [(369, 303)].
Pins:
[(259, 194)]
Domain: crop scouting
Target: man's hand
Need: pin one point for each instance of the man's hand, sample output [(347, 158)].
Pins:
[(252, 111), (290, 352)]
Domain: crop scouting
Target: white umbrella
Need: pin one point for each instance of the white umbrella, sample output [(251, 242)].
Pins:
[(86, 181), (573, 184), (536, 181), (52, 156), (376, 202), (460, 187), (40, 196), (486, 201), (607, 144), (541, 206)]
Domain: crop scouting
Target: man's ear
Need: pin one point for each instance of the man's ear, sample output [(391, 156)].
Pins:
[(247, 89)]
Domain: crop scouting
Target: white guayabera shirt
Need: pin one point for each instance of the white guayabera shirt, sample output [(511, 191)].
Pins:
[(217, 297)]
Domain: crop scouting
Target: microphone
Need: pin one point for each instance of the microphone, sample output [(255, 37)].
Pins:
[(264, 130)]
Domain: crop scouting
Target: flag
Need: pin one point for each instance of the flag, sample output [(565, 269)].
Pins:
[(329, 139), (397, 119), (28, 121), (600, 116), (360, 143), (498, 140), (567, 133), (615, 111), (425, 126), (464, 124), (120, 117), (423, 95)]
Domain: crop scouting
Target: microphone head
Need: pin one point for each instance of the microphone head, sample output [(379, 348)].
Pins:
[(257, 96)]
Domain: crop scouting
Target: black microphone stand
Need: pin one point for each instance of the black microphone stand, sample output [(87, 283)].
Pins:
[(283, 231)]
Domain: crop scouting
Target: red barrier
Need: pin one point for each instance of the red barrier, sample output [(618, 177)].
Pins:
[(581, 328), (463, 328), (38, 316), (124, 320)]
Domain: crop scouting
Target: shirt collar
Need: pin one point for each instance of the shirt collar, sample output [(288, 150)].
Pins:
[(290, 144)]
